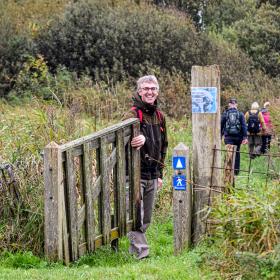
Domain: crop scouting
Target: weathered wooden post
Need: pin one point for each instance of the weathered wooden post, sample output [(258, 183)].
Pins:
[(182, 198), (206, 134), (54, 194), (229, 167)]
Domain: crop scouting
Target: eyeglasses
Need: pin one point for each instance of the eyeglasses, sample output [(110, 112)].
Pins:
[(149, 88)]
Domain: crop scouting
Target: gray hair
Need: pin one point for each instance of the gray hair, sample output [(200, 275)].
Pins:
[(147, 79)]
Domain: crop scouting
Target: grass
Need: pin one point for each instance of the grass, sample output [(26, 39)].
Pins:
[(243, 245), (106, 264)]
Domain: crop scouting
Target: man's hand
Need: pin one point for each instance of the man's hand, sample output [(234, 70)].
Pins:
[(138, 141), (159, 183), (245, 141)]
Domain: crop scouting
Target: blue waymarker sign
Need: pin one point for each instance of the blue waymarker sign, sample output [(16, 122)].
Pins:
[(179, 182), (179, 162)]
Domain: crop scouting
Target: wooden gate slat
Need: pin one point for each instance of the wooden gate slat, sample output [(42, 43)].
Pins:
[(89, 210), (105, 193), (121, 187), (135, 173), (72, 205)]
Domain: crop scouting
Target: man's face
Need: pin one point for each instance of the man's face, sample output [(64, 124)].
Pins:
[(148, 92), (232, 105)]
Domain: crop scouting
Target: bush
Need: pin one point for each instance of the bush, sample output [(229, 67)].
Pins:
[(259, 36), (20, 22), (117, 42)]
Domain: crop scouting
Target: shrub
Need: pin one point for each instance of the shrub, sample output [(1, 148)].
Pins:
[(20, 22), (259, 37), (116, 42)]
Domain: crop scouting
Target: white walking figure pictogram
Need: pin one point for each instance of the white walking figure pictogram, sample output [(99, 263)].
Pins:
[(179, 182)]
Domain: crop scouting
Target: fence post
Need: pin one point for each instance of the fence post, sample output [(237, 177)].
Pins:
[(182, 198), (229, 166), (54, 197), (205, 90)]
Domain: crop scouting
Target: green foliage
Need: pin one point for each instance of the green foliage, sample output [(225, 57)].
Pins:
[(115, 42), (259, 36), (220, 14), (24, 260), (248, 220), (20, 22), (193, 8)]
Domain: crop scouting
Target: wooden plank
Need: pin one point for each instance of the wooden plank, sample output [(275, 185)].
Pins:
[(229, 167), (182, 205), (121, 187), (78, 150), (80, 205), (81, 217), (89, 210), (130, 212), (65, 234), (111, 161), (96, 188), (205, 126), (126, 139), (127, 131), (102, 133), (105, 193), (114, 234), (53, 199), (72, 205), (135, 178)]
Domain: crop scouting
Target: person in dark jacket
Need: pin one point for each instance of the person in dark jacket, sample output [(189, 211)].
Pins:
[(234, 130), (152, 143)]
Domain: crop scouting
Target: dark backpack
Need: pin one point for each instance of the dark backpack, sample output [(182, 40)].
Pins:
[(233, 125), (253, 124), (158, 113)]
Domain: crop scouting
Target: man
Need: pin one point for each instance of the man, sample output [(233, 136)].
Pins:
[(256, 128), (152, 143), (234, 130)]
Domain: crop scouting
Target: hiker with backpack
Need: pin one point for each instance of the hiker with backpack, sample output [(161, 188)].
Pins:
[(152, 143), (266, 137), (256, 128), (234, 130)]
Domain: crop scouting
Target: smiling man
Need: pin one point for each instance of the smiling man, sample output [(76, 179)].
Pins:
[(152, 143)]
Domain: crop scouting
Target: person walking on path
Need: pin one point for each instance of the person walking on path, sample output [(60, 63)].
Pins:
[(256, 128), (234, 130), (266, 138), (152, 143)]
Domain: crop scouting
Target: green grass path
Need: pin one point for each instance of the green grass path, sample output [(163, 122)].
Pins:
[(106, 264)]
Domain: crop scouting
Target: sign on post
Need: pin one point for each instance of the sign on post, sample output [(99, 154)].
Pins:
[(182, 198), (179, 163), (179, 182), (206, 120)]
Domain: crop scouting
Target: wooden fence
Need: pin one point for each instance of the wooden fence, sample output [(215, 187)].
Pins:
[(91, 191)]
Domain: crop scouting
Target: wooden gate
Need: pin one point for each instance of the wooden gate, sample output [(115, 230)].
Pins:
[(91, 191)]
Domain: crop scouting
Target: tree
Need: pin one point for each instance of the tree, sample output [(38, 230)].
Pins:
[(259, 36)]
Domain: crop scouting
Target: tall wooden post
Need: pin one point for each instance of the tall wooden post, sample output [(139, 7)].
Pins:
[(206, 135), (182, 198), (54, 198)]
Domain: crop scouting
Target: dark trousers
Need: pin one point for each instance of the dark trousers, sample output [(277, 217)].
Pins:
[(266, 139), (233, 140), (255, 145)]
